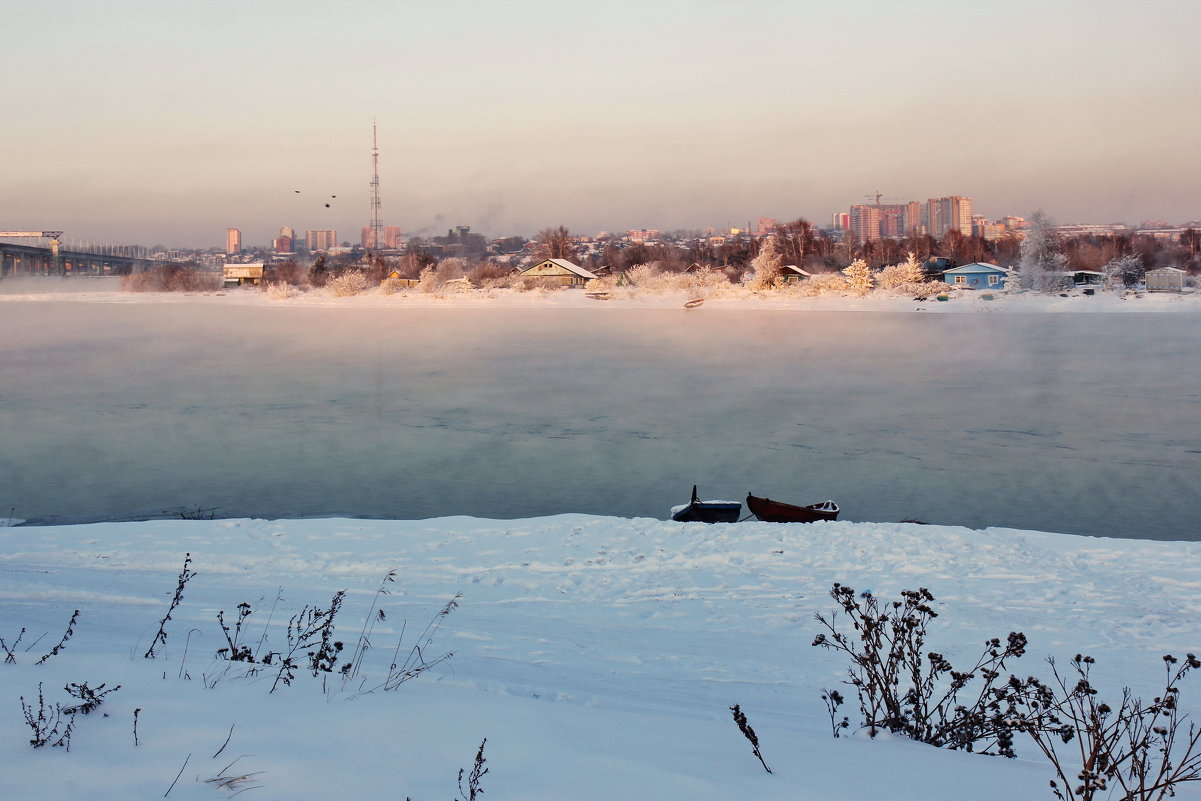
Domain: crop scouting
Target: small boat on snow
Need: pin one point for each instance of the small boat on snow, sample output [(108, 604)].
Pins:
[(770, 511), (698, 511)]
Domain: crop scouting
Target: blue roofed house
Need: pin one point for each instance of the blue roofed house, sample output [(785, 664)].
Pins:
[(978, 275)]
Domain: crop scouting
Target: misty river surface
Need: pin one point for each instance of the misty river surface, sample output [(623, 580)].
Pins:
[(1082, 423)]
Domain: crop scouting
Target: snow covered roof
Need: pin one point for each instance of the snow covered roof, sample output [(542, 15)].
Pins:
[(570, 267), (978, 267)]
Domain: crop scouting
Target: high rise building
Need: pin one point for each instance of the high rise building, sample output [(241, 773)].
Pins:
[(952, 213), (320, 240), (367, 238), (887, 220), (285, 242), (865, 222), (233, 241), (393, 237)]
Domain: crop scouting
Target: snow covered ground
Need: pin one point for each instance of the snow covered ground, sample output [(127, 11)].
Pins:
[(107, 290), (597, 655)]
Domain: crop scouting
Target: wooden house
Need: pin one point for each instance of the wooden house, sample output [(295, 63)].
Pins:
[(394, 280), (559, 271), (243, 274), (978, 275), (791, 274)]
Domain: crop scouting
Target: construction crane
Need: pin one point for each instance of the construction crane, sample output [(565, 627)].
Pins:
[(56, 265)]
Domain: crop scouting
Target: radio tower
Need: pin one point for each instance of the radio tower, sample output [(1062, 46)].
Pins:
[(377, 228)]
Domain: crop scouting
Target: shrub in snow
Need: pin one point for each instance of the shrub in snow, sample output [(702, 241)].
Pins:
[(1142, 750), (171, 278), (901, 277), (824, 284), (859, 277), (902, 688), (281, 291), (428, 280), (640, 275), (490, 275), (1125, 271), (351, 282)]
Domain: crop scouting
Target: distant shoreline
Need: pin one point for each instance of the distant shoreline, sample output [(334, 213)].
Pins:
[(735, 298)]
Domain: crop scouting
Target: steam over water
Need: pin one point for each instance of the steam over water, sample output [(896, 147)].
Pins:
[(1059, 422)]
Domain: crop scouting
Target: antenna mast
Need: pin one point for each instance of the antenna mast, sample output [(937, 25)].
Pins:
[(377, 228)]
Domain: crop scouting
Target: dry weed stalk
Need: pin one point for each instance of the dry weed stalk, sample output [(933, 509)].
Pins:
[(185, 576)]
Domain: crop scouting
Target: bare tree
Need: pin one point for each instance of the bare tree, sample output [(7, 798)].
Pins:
[(555, 243)]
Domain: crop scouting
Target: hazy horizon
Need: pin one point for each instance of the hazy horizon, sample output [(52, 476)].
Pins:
[(133, 121)]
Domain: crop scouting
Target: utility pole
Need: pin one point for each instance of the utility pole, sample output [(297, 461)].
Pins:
[(377, 227)]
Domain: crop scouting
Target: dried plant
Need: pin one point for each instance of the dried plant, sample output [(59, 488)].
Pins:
[(902, 688), (89, 698), (745, 727), (833, 700), (63, 642), (311, 632), (235, 650), (185, 576), (1142, 750), (9, 657), (478, 771), (234, 782), (51, 725), (373, 615), (415, 661)]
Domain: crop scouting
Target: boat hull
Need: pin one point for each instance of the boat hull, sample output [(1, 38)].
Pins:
[(770, 511), (708, 512), (698, 511)]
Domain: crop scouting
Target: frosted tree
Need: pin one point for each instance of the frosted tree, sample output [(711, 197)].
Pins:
[(1013, 282), (1126, 270), (1042, 262), (859, 277), (902, 276), (766, 267)]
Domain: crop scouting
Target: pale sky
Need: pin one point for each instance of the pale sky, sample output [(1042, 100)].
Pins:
[(167, 121)]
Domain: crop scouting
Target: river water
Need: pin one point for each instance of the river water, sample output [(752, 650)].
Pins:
[(1081, 423)]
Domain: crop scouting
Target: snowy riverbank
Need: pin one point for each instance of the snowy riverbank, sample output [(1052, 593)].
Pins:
[(597, 655), (107, 290)]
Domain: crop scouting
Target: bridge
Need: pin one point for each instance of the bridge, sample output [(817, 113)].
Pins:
[(22, 260)]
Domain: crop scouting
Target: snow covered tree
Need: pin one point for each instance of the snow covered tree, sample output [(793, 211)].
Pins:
[(1042, 262), (766, 267), (859, 277), (1013, 282), (901, 276), (1126, 270)]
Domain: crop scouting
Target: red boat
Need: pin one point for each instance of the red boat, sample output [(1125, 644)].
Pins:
[(771, 511)]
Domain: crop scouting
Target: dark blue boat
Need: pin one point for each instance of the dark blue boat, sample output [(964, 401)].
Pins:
[(698, 511)]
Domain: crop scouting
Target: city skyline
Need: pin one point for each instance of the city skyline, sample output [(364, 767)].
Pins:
[(519, 116)]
